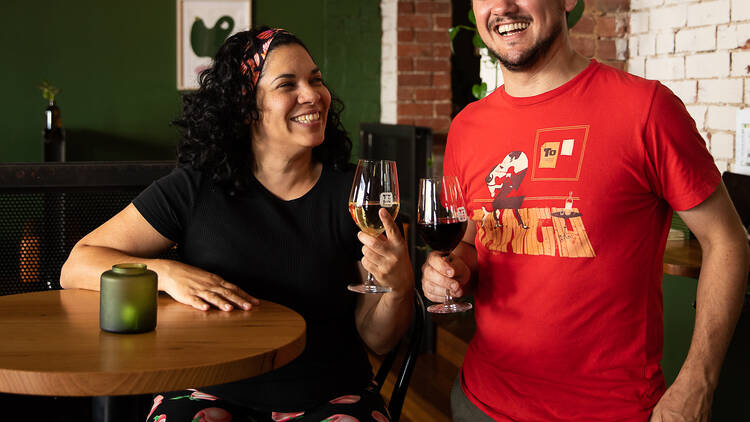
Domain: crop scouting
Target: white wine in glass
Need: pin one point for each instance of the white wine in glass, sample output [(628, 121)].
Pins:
[(375, 186)]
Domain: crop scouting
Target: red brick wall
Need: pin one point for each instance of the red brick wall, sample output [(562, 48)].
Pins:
[(424, 67), (603, 22)]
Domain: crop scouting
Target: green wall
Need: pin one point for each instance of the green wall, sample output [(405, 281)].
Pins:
[(116, 64)]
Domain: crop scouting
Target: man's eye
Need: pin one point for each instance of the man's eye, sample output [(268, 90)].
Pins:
[(317, 80)]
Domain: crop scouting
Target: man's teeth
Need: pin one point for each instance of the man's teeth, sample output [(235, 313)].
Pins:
[(307, 118), (511, 27)]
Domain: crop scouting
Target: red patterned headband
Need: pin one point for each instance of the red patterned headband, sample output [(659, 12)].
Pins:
[(255, 64)]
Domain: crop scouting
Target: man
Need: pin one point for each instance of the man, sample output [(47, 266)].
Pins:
[(567, 285)]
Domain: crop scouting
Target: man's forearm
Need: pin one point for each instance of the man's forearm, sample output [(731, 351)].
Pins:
[(719, 300)]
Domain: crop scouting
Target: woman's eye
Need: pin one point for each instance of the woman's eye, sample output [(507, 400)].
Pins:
[(317, 80)]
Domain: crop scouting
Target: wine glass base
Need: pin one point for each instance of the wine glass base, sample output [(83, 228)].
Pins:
[(368, 288), (452, 308)]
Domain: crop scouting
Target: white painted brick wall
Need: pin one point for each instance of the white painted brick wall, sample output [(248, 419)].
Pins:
[(720, 91), (722, 118), (665, 42), (665, 68), (740, 10), (722, 145), (746, 100), (638, 22), (707, 65), (647, 45), (686, 90), (698, 113), (741, 63), (697, 39), (722, 165), (645, 4), (637, 66), (732, 36), (633, 46), (708, 13), (668, 17), (389, 62)]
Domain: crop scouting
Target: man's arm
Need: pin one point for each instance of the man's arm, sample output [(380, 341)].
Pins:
[(721, 287)]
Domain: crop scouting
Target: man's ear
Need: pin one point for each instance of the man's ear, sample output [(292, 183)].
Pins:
[(570, 4)]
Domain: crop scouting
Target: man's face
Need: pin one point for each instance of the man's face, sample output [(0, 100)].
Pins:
[(520, 32)]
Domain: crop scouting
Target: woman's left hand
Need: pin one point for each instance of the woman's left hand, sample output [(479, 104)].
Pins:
[(386, 257)]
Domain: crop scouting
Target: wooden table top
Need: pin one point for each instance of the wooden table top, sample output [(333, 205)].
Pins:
[(682, 257), (51, 344)]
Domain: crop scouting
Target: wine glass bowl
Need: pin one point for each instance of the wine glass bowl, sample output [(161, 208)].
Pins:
[(375, 186), (441, 222)]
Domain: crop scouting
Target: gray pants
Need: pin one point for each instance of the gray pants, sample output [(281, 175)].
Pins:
[(462, 409)]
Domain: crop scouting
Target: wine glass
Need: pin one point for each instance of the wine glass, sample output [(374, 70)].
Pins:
[(441, 222), (375, 186)]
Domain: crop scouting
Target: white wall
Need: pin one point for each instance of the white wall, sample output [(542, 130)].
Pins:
[(700, 50)]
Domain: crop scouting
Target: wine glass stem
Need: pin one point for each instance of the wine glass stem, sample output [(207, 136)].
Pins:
[(370, 280), (448, 297)]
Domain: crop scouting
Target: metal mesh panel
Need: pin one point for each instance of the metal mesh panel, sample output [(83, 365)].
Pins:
[(42, 218), (38, 230)]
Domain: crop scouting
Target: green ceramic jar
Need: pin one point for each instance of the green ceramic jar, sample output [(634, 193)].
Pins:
[(128, 299)]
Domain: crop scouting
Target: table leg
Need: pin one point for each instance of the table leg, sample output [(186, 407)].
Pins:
[(119, 408)]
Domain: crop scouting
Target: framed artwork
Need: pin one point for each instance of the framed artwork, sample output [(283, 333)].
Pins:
[(202, 26)]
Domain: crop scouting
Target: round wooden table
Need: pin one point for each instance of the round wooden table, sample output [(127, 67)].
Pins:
[(51, 344), (682, 257)]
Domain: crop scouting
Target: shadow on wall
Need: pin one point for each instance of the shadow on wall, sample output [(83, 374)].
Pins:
[(91, 145)]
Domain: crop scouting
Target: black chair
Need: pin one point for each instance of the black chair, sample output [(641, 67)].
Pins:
[(412, 343), (48, 207), (730, 398)]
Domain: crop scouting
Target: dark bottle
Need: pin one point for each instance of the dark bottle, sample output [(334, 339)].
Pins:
[(54, 134)]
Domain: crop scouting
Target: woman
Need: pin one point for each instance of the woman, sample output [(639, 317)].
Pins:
[(258, 207)]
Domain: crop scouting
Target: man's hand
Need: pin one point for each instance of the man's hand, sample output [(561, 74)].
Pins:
[(386, 257), (441, 273), (685, 400), (201, 289)]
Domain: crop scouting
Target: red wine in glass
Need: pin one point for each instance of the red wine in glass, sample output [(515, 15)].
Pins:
[(441, 222)]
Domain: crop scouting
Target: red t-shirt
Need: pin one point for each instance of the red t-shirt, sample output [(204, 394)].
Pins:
[(569, 309)]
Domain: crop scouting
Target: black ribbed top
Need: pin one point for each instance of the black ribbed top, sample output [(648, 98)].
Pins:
[(300, 253)]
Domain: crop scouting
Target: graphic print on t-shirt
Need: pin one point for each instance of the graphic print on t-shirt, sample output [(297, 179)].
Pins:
[(554, 230)]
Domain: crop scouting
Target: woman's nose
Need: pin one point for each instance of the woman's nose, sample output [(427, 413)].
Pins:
[(308, 95)]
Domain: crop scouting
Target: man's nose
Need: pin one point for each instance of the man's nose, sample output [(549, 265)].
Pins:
[(502, 7)]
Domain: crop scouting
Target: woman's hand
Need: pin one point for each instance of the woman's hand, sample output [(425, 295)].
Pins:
[(386, 257), (201, 289)]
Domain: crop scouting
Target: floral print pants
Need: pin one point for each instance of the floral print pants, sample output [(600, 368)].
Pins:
[(196, 406)]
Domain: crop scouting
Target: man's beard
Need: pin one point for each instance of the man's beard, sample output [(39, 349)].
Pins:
[(530, 57)]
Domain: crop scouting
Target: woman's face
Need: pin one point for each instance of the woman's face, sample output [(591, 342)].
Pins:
[(292, 100)]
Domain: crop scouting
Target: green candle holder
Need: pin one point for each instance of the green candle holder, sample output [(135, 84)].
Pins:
[(128, 299)]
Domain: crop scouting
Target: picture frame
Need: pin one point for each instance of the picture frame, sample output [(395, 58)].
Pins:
[(202, 26)]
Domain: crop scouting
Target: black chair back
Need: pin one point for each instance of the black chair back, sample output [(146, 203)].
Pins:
[(412, 341), (47, 207)]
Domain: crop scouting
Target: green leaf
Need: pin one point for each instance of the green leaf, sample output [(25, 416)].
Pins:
[(575, 15), (479, 91), (472, 18), (453, 31), (477, 41)]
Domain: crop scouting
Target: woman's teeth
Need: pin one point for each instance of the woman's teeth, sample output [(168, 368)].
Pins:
[(307, 118), (512, 28)]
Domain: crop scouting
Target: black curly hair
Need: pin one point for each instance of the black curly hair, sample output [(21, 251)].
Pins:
[(216, 119)]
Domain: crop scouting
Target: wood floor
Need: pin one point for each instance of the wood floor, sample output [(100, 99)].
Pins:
[(428, 397)]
